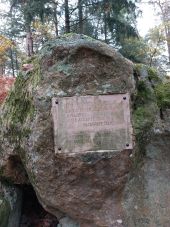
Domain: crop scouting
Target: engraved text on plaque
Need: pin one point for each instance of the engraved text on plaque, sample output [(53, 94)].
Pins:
[(92, 123)]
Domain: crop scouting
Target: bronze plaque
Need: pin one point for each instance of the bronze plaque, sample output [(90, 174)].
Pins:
[(92, 123)]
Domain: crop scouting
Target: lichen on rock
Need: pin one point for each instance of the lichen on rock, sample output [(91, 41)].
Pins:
[(16, 112), (69, 66), (86, 187)]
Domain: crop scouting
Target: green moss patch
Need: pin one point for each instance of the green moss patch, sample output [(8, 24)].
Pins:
[(145, 106), (162, 92), (19, 106), (144, 93), (143, 118), (153, 75)]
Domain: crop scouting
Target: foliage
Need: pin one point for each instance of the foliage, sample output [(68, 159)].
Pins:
[(33, 8), (5, 44), (163, 95), (41, 33), (144, 93), (108, 20), (143, 118), (135, 49), (145, 50), (115, 20), (5, 85), (164, 12), (155, 40), (153, 75), (145, 104)]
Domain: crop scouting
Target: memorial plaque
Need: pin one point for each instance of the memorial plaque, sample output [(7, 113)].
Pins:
[(92, 123)]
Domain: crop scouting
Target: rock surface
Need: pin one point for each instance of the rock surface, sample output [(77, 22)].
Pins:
[(90, 189), (10, 205), (86, 187), (148, 205)]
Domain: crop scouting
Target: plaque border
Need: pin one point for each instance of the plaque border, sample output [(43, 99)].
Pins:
[(55, 111)]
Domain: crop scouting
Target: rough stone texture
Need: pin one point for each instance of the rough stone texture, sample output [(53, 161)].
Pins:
[(15, 196), (87, 187), (12, 168), (67, 222), (4, 212), (90, 189), (10, 205), (146, 200)]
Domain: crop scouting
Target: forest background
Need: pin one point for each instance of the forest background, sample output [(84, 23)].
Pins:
[(27, 24)]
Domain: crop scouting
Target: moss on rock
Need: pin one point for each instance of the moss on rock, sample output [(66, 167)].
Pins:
[(145, 107), (19, 107), (162, 92), (150, 73), (153, 75)]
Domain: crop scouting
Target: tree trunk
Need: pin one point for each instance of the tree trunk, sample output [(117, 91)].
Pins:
[(55, 19), (12, 62), (105, 28), (16, 61), (166, 21), (165, 11), (1, 70), (29, 42), (167, 32), (169, 51), (67, 17), (105, 20), (80, 13)]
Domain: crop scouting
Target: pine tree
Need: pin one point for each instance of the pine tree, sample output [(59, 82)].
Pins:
[(108, 20)]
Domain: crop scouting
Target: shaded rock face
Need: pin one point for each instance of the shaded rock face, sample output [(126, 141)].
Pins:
[(10, 205), (86, 187), (148, 205), (146, 197), (32, 212)]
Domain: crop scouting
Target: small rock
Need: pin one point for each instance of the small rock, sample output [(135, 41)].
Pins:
[(119, 221)]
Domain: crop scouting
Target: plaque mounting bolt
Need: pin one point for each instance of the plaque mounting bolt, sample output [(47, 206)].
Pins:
[(56, 102), (127, 145), (124, 98)]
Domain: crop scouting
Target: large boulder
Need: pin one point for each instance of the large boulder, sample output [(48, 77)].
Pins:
[(85, 187)]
